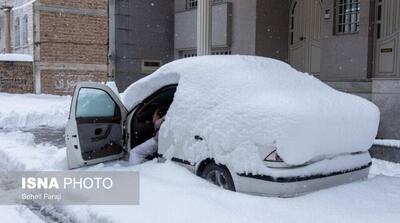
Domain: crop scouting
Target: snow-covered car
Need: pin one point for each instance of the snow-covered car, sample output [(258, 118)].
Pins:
[(244, 123)]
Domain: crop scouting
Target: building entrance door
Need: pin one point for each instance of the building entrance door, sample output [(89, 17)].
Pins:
[(387, 46), (304, 35)]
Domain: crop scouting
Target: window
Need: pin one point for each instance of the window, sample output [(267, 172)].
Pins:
[(149, 66), (291, 29), (142, 127), (379, 20), (16, 33), (192, 4), (188, 53), (221, 52), (193, 53), (347, 16), (25, 29), (94, 103)]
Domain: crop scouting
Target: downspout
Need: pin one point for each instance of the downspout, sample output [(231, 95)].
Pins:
[(36, 48), (7, 31)]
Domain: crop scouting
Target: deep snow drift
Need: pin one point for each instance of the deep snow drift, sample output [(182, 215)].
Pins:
[(170, 193), (243, 104), (32, 111)]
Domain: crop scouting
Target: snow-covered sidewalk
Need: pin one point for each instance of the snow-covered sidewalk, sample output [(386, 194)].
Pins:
[(170, 193), (388, 142), (32, 111)]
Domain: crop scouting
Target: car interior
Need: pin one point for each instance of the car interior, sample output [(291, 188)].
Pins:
[(142, 128)]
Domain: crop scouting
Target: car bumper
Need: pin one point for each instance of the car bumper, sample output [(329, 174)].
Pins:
[(293, 186)]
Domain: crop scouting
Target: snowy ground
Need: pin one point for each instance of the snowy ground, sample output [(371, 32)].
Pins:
[(170, 193), (32, 111)]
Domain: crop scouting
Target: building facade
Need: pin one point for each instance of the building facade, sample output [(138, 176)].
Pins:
[(141, 38), (66, 39), (352, 45)]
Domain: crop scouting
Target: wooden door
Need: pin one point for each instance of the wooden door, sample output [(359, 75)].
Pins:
[(304, 35), (387, 37)]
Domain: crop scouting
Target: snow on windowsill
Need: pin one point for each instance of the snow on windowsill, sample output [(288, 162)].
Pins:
[(16, 57)]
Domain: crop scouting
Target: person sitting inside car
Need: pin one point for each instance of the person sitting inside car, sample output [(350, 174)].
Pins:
[(138, 154)]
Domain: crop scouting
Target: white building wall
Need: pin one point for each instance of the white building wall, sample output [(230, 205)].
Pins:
[(20, 8)]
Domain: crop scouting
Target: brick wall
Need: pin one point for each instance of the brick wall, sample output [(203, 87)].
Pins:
[(63, 81), (90, 4), (73, 38), (16, 77), (73, 44)]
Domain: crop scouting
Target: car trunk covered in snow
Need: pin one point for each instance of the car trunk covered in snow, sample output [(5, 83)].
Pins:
[(241, 105)]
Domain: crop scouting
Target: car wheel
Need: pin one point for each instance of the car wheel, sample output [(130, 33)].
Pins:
[(218, 175)]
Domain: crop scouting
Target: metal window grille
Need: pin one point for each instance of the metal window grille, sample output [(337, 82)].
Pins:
[(192, 53), (191, 4), (347, 16), (221, 52)]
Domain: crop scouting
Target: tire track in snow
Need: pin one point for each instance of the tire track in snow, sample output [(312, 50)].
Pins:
[(49, 213)]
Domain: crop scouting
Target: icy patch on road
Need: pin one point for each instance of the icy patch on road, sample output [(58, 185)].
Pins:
[(32, 111)]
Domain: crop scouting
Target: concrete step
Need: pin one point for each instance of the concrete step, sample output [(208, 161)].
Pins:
[(388, 153)]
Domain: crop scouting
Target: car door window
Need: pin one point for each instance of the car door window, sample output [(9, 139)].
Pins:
[(94, 103)]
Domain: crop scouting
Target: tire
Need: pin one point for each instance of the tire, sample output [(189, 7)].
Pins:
[(218, 175)]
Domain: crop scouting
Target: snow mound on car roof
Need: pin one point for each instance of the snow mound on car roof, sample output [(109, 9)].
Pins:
[(240, 104)]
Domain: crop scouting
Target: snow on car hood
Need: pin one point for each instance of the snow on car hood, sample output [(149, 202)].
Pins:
[(240, 104)]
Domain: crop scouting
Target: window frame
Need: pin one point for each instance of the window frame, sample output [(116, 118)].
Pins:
[(25, 35), (146, 69), (17, 32), (117, 109), (341, 14), (193, 4)]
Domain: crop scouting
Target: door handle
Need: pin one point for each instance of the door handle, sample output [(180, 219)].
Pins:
[(98, 131), (302, 38)]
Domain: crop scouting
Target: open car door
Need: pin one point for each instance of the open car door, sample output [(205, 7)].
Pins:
[(95, 129)]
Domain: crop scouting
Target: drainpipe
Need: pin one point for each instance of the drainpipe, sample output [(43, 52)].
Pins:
[(204, 18), (7, 31)]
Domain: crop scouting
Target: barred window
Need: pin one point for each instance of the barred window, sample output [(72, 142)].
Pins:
[(193, 53), (221, 52), (192, 4), (347, 16)]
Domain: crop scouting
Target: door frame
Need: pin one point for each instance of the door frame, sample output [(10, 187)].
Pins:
[(74, 153)]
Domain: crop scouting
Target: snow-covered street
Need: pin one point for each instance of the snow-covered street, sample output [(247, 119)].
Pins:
[(170, 193)]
